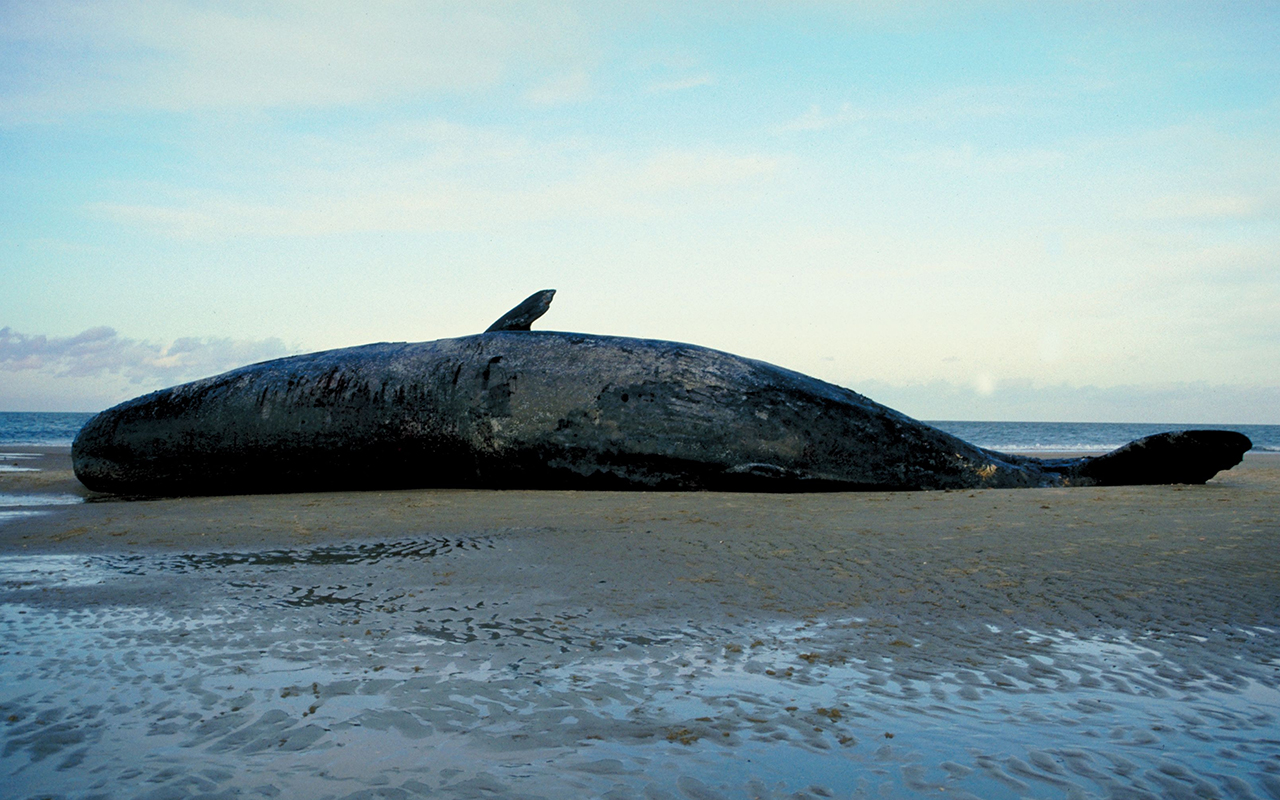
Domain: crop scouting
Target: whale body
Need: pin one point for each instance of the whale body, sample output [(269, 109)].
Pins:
[(516, 408)]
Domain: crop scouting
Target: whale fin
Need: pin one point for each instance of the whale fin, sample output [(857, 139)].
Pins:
[(1175, 457), (523, 315)]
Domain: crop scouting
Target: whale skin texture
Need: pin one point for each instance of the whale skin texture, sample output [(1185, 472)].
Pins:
[(522, 409)]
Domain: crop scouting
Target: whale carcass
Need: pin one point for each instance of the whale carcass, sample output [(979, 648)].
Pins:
[(516, 408)]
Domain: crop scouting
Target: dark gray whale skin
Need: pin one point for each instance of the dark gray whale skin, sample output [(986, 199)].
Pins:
[(534, 409)]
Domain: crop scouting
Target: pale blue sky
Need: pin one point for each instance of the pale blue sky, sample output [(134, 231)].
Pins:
[(983, 210)]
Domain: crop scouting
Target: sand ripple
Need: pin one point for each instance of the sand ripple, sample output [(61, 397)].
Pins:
[(361, 670)]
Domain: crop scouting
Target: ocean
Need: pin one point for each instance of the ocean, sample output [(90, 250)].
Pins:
[(58, 429), (1085, 437), (40, 428)]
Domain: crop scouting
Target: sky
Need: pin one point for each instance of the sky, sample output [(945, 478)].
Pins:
[(1022, 211)]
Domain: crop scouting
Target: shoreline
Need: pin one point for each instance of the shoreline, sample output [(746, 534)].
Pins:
[(898, 544)]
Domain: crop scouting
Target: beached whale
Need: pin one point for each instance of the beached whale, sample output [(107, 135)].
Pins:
[(515, 408)]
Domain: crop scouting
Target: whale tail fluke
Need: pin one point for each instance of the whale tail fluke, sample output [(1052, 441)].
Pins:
[(1175, 457), (523, 315)]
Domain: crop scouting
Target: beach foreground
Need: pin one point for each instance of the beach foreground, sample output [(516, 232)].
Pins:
[(999, 643)]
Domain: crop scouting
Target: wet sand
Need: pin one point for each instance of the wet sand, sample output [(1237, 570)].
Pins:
[(1117, 642)]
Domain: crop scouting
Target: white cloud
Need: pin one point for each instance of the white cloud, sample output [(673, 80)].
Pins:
[(432, 195), (129, 54), (968, 159), (692, 168), (572, 87), (942, 109), (1202, 206), (99, 352), (815, 119), (680, 84)]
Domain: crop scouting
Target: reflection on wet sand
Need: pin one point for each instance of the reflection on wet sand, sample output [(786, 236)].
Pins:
[(15, 505), (18, 462), (357, 670)]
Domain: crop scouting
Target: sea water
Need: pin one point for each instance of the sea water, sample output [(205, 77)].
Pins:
[(1086, 437), (59, 429), (40, 428)]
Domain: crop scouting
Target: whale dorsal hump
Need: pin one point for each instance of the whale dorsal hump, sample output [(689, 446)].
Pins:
[(523, 315)]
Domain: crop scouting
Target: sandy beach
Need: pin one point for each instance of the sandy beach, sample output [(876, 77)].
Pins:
[(1110, 642)]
